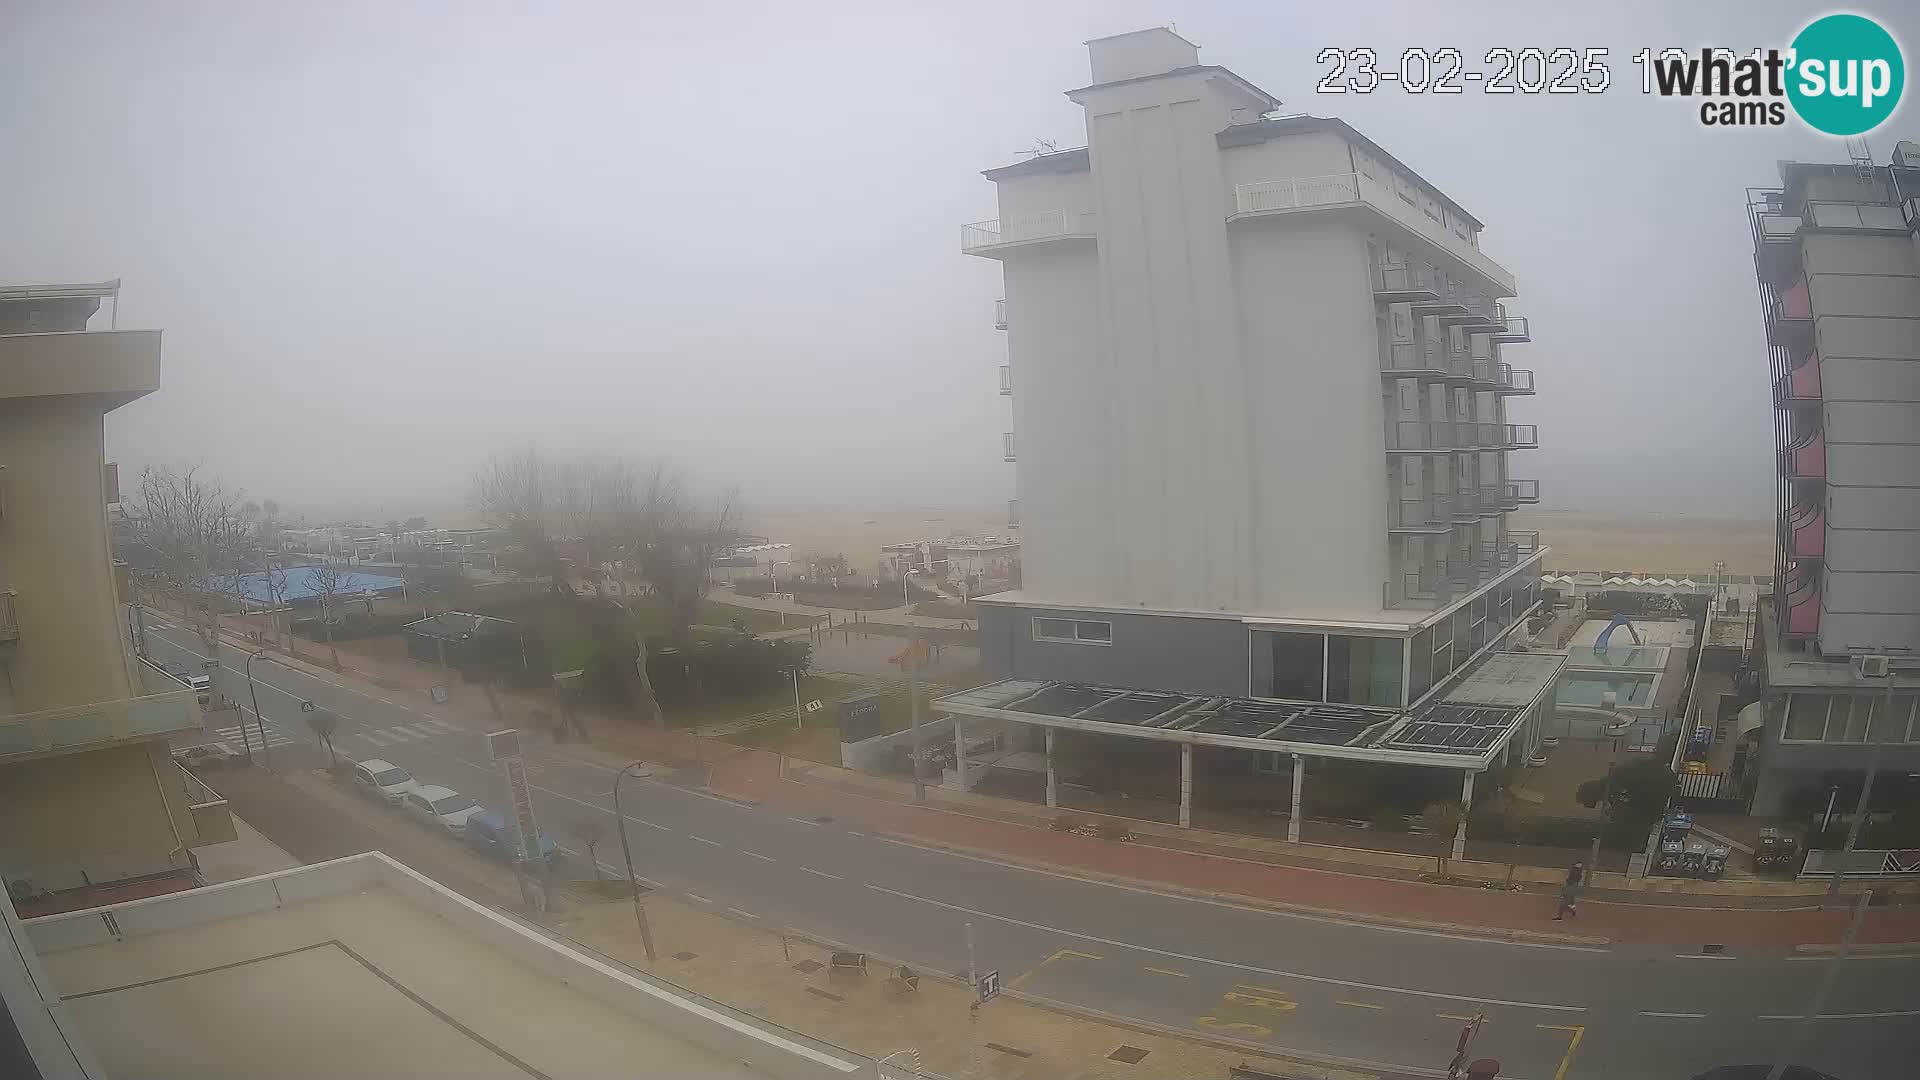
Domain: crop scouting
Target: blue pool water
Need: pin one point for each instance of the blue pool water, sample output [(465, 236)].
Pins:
[(1585, 688)]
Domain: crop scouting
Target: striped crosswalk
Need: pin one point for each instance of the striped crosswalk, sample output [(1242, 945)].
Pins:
[(250, 736), (425, 728)]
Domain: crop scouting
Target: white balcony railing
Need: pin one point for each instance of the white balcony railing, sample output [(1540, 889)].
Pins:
[(1006, 445), (999, 314), (103, 722), (1305, 192), (1028, 228), (1006, 380), (9, 622)]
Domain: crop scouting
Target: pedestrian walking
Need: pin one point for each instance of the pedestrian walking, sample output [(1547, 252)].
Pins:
[(1570, 892)]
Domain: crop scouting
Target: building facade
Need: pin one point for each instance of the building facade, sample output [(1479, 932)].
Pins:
[(1838, 260), (89, 795), (1260, 402)]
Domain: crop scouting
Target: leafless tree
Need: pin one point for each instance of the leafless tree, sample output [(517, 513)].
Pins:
[(590, 831), (195, 539), (279, 590), (326, 581), (517, 494), (677, 536), (324, 723)]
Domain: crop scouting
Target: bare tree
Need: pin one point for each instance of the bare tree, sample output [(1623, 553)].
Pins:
[(279, 592), (590, 831), (324, 724), (326, 581), (516, 493), (195, 539), (676, 538)]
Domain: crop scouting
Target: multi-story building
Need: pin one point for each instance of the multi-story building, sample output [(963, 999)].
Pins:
[(88, 793), (1838, 261), (1259, 399)]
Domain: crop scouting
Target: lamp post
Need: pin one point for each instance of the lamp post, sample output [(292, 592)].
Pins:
[(1614, 732), (258, 721), (626, 852)]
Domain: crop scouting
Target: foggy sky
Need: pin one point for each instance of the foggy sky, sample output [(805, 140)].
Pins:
[(387, 239)]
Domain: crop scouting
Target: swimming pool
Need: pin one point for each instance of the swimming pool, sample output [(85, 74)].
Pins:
[(1634, 690)]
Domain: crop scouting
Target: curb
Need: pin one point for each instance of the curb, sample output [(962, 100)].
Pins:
[(1827, 948), (1149, 885)]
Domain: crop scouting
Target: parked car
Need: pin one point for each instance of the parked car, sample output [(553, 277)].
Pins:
[(202, 687), (211, 755), (383, 780), (441, 806), (491, 832)]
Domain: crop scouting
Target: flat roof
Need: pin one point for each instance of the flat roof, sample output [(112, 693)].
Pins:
[(363, 967), (1280, 126), (301, 586), (1464, 727), (88, 291)]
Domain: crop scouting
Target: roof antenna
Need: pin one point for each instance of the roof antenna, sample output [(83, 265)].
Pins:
[(1040, 148)]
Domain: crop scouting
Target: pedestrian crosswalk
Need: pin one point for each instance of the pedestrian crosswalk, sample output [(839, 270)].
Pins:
[(252, 738), (426, 727)]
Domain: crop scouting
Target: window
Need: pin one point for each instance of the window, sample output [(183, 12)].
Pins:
[(1462, 621), (1077, 631), (1420, 665), (1806, 718), (1293, 665), (1364, 670)]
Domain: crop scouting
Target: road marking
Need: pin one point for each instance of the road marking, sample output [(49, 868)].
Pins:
[(1703, 956), (643, 821), (1043, 927), (1817, 959), (1261, 1000), (1844, 1016), (1579, 1032), (822, 873), (802, 821), (1357, 1004), (1218, 1024), (743, 913), (1384, 928), (1673, 1015), (698, 899), (757, 855), (1164, 971), (704, 840), (1056, 955), (1462, 1019), (375, 738)]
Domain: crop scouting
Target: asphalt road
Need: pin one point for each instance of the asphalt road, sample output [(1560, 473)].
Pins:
[(1393, 997)]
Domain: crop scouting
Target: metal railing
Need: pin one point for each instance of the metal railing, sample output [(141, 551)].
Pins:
[(1515, 380), (9, 619), (1522, 491), (1416, 435), (1006, 445), (1432, 512), (1428, 587), (1301, 192), (1025, 228), (1466, 503), (1492, 498), (1006, 378), (1520, 436), (1406, 276), (1013, 513), (999, 314), (106, 721), (1413, 356), (197, 792)]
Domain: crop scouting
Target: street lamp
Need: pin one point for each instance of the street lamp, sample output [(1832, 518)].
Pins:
[(1614, 732), (258, 720), (626, 852)]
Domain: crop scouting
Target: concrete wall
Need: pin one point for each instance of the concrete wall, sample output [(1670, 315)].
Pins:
[(93, 817), (1192, 654)]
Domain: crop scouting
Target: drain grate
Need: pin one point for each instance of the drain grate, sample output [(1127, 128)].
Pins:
[(1014, 1050), (1130, 1055), (828, 994), (808, 967), (685, 956)]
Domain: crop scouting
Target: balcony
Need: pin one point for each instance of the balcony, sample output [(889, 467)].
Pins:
[(1420, 437), (1805, 526), (1806, 459), (1406, 281), (999, 314), (1801, 385), (989, 239), (86, 726), (212, 821), (1514, 382), (1493, 500), (1466, 506), (1433, 514), (1776, 241), (1006, 380), (1006, 446), (1517, 492), (1799, 600), (1513, 328), (1790, 318), (1013, 513), (1314, 193), (1510, 551), (1481, 315), (9, 622), (1519, 436), (1429, 587), (1471, 436), (1448, 305), (1422, 360)]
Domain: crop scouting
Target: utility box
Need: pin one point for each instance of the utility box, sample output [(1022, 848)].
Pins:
[(860, 716)]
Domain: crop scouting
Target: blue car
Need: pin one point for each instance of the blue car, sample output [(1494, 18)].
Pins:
[(492, 833)]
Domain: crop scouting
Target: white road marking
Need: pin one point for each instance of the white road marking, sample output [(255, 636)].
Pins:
[(704, 840), (376, 738), (1843, 1016), (1703, 956), (743, 914), (802, 821), (1818, 959), (822, 873), (697, 898), (1673, 1015), (1043, 927), (757, 855), (1384, 927)]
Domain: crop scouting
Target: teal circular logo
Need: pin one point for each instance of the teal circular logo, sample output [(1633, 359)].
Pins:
[(1847, 75)]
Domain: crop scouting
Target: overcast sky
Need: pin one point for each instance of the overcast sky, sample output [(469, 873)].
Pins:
[(385, 239)]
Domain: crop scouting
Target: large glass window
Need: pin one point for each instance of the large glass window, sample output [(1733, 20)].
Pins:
[(1364, 670), (1078, 631), (1462, 621), (1806, 717), (1420, 665), (1295, 665)]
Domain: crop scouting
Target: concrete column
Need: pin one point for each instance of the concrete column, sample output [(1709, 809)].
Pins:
[(1186, 785), (1053, 789), (960, 752), (1293, 818), (1466, 807)]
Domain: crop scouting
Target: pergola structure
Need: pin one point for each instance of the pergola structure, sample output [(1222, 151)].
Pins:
[(1493, 710)]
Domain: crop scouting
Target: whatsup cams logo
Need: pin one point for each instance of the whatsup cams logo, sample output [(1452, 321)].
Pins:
[(1842, 75)]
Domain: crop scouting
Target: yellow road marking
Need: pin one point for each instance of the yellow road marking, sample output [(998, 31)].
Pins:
[(1164, 971), (1258, 1001), (1218, 1024), (1579, 1032), (1359, 1005), (1057, 954)]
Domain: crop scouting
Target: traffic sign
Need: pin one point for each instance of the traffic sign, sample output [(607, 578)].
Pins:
[(816, 705), (989, 985)]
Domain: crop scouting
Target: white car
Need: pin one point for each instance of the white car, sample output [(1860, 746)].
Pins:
[(383, 780), (442, 806)]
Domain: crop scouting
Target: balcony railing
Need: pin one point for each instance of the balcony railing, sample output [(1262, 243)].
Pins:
[(1492, 498), (1481, 314), (999, 314), (212, 821), (1006, 445), (1513, 327), (105, 722), (1406, 280), (1430, 586), (1006, 380), (9, 621), (1424, 360), (1433, 514), (1309, 192), (1035, 227), (1421, 436), (1522, 491), (1013, 513), (1514, 381), (1519, 436)]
